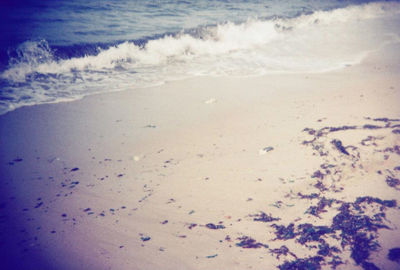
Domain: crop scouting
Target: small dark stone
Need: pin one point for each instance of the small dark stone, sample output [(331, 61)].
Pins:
[(74, 169)]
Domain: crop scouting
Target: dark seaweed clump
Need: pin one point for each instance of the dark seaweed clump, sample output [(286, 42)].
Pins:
[(215, 227), (392, 182), (394, 254), (265, 217), (311, 263), (339, 146), (248, 242), (351, 226)]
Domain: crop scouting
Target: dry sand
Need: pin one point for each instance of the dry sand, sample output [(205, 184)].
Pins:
[(130, 180)]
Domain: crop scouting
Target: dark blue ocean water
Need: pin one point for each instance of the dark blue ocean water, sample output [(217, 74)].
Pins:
[(63, 50)]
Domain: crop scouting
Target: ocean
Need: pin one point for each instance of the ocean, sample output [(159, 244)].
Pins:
[(52, 51)]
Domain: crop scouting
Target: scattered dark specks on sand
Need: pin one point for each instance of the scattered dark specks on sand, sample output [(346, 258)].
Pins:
[(74, 169)]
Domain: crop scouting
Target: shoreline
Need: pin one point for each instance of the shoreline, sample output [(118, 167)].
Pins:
[(175, 176)]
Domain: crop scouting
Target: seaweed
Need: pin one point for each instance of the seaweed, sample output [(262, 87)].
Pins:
[(392, 182), (320, 207), (318, 174), (283, 250), (284, 233), (362, 245), (311, 263), (334, 129), (309, 233), (308, 196), (335, 261), (369, 200), (339, 146), (394, 254), (369, 266), (215, 227), (265, 217), (248, 242), (367, 126)]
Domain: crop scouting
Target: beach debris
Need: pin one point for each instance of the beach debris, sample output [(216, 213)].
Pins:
[(210, 101), (367, 126), (75, 169), (150, 126), (164, 222), (392, 182), (145, 238), (312, 263), (320, 207), (192, 225), (339, 146), (394, 254), (283, 250), (16, 160), (396, 131), (264, 217), (215, 227), (248, 242), (211, 256), (283, 232), (265, 150)]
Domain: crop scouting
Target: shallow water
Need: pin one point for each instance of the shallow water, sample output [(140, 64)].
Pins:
[(53, 51)]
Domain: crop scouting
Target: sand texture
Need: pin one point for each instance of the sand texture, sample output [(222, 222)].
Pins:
[(290, 171)]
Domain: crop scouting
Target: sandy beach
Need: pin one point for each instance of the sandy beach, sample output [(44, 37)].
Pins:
[(283, 171)]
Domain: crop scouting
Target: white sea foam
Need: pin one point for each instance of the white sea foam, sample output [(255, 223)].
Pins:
[(318, 42)]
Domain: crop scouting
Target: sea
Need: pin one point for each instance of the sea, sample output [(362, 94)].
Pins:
[(63, 50)]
